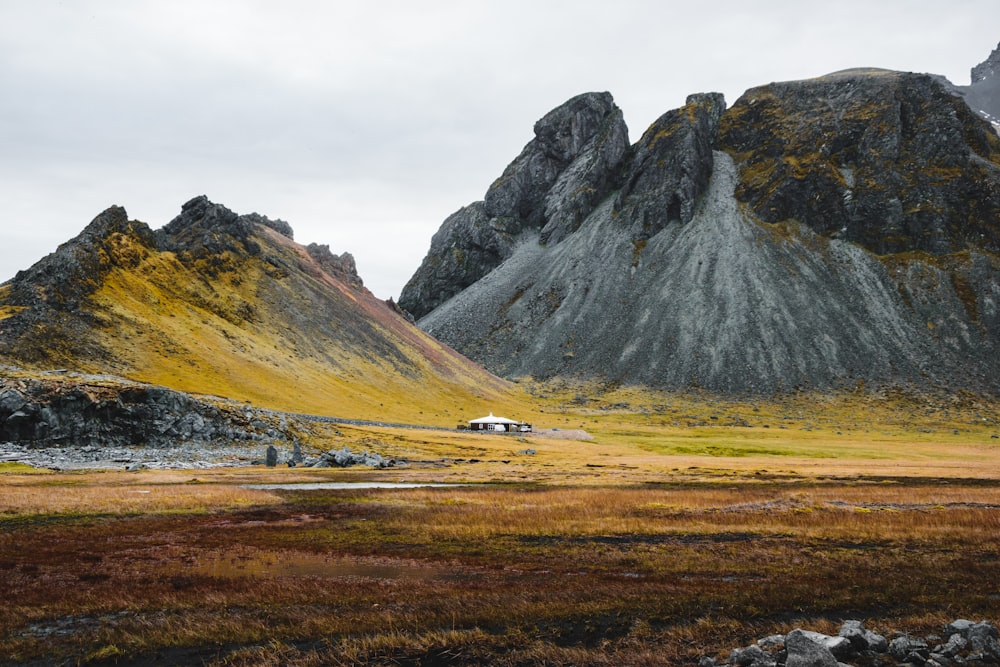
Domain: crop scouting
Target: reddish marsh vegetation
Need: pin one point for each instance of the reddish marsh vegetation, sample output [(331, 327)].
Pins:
[(590, 574)]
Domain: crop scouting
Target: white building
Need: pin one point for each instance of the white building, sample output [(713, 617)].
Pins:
[(498, 424)]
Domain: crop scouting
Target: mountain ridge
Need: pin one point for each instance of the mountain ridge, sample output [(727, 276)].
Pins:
[(830, 232), (229, 305)]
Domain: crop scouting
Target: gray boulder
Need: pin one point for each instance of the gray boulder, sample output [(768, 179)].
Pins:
[(345, 458), (863, 639), (752, 655), (909, 649), (806, 652)]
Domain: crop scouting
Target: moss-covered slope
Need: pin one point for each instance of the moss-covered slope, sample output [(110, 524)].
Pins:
[(230, 305)]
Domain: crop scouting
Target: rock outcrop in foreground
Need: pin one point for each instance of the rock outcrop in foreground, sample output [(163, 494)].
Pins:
[(73, 422), (819, 233), (961, 643)]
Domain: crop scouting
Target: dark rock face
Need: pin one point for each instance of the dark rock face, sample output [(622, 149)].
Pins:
[(549, 189), (988, 69), (39, 413), (983, 94), (891, 161), (343, 266), (819, 233), (671, 166)]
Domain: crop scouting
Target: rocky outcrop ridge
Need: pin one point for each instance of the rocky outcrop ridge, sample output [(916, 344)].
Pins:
[(545, 193), (891, 161), (342, 266), (961, 643), (818, 233), (670, 167), (103, 416), (983, 94)]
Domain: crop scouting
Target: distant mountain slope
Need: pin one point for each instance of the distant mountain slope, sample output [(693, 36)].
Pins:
[(983, 94), (230, 305), (817, 233)]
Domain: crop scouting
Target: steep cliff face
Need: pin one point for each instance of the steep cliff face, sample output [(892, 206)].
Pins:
[(818, 233), (891, 161), (983, 94), (546, 192), (226, 304)]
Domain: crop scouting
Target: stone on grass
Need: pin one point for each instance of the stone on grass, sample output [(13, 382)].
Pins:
[(805, 652)]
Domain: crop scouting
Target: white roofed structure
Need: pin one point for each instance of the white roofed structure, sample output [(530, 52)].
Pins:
[(494, 423)]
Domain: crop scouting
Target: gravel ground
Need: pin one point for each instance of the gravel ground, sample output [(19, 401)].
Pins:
[(188, 455)]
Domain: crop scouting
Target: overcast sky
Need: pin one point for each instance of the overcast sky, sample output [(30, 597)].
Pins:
[(364, 124)]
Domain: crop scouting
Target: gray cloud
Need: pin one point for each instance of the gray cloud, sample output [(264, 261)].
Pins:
[(364, 124)]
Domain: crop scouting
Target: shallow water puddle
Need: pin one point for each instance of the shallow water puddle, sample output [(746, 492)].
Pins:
[(318, 486)]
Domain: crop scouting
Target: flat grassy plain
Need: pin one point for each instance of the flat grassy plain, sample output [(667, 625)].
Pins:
[(685, 526)]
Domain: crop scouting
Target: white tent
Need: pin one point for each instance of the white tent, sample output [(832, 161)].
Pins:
[(492, 423)]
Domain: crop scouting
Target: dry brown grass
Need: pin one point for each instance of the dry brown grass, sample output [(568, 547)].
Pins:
[(569, 574), (653, 543)]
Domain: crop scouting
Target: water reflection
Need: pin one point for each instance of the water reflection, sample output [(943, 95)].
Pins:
[(317, 486)]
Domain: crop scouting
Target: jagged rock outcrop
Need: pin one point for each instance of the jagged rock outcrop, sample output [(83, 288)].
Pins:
[(818, 233), (342, 266), (572, 163), (38, 413), (983, 94), (892, 161), (671, 166)]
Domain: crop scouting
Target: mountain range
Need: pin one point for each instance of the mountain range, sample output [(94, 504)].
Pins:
[(837, 231), (832, 232)]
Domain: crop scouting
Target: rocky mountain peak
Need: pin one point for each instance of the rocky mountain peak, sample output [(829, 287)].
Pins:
[(671, 165), (572, 164), (890, 160), (61, 279), (820, 233), (563, 132), (561, 172), (341, 266), (983, 95), (989, 68)]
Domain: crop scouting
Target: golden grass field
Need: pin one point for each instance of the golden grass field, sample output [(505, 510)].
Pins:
[(685, 527)]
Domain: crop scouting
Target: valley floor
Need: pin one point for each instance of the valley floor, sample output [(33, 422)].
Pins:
[(649, 544)]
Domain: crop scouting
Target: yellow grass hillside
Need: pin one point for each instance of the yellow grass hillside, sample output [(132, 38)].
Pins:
[(233, 309)]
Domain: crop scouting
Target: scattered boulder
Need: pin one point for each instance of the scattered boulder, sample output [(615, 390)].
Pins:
[(863, 639), (965, 643), (805, 651), (345, 458)]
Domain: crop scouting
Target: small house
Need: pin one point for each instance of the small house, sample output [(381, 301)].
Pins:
[(498, 425)]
